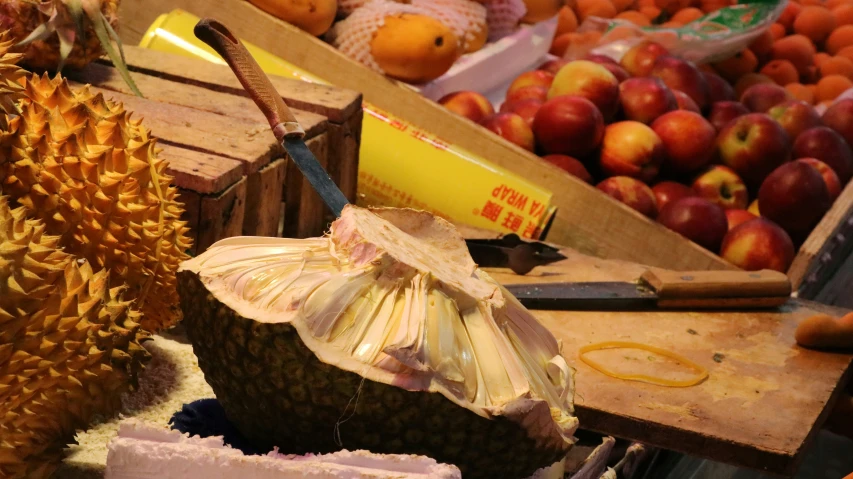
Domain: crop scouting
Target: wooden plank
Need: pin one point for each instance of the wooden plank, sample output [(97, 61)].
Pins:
[(304, 210), (336, 104), (192, 211), (198, 171), (246, 141), (586, 219), (344, 146), (838, 290), (761, 405), (826, 247), (263, 206), (193, 96), (221, 216), (341, 107)]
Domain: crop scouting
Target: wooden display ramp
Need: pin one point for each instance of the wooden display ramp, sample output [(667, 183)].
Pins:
[(763, 402)]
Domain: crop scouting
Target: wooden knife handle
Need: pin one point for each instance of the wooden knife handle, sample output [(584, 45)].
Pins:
[(253, 79), (699, 285)]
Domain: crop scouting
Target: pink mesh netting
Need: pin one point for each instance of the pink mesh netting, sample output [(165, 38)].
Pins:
[(504, 16)]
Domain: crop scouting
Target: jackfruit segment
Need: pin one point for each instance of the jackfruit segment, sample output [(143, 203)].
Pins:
[(393, 296)]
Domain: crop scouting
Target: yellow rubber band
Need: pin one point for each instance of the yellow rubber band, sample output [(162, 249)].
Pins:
[(702, 373)]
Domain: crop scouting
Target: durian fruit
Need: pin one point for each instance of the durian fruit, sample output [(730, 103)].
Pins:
[(384, 336), (87, 169), (55, 33), (69, 346)]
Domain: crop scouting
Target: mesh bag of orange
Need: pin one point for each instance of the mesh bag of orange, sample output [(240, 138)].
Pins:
[(711, 37)]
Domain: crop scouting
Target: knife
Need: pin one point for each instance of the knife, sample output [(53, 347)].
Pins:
[(510, 251), (662, 289), (284, 125)]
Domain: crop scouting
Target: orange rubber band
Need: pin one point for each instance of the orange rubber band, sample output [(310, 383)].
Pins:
[(702, 373)]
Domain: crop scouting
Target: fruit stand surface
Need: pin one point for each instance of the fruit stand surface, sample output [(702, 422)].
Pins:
[(762, 404)]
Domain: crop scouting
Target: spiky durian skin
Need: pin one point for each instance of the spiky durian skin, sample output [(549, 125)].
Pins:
[(69, 346), (21, 17), (86, 168), (278, 393)]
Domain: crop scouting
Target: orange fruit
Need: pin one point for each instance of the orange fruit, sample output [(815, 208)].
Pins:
[(781, 71), (650, 12), (777, 30), (797, 49), (837, 66), (815, 22), (748, 80), (672, 6), (622, 5), (837, 3), (839, 38), (595, 8), (687, 15), (801, 92), (567, 21), (762, 44), (821, 57), (829, 87), (846, 52), (561, 43), (811, 75), (843, 15), (645, 3), (735, 67), (709, 6), (635, 17), (786, 19)]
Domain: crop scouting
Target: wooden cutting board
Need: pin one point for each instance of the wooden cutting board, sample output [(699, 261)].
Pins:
[(765, 397)]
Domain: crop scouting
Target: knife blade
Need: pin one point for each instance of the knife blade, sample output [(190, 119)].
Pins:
[(661, 289), (284, 125)]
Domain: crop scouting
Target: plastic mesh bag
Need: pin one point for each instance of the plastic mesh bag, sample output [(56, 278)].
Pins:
[(346, 7), (713, 37), (503, 17)]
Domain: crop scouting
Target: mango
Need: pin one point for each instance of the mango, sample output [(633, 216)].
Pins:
[(539, 10), (414, 48), (313, 16)]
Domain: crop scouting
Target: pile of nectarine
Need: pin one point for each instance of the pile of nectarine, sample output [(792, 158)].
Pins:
[(677, 144)]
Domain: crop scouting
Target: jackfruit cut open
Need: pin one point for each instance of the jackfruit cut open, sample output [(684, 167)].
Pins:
[(383, 335)]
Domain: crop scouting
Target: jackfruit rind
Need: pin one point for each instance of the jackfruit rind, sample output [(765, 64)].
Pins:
[(84, 166), (69, 346), (384, 334)]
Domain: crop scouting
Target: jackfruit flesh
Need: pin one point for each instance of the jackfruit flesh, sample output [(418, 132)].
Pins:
[(69, 346), (383, 335)]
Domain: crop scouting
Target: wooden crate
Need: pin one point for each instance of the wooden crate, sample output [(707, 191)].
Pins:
[(586, 219), (233, 176)]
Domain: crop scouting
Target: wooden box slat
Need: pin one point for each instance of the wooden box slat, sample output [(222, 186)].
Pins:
[(225, 161), (341, 107)]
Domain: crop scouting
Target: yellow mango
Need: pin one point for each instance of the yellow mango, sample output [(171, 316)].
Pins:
[(313, 16), (414, 48)]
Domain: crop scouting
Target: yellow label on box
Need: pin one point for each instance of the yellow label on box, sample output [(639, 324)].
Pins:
[(399, 165)]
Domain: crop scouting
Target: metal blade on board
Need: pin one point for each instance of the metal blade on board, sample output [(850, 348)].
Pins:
[(598, 296)]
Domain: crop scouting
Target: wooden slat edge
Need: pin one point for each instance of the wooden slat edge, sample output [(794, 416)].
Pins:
[(825, 249), (335, 103)]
